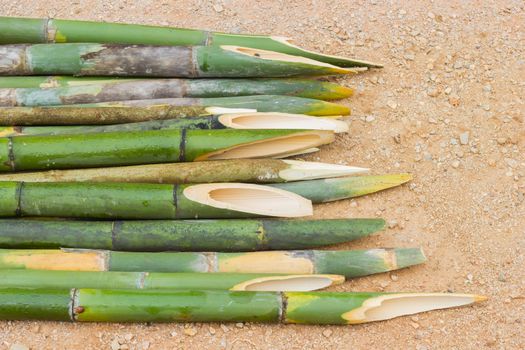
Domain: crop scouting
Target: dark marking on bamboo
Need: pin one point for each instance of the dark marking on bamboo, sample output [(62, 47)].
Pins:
[(176, 199), (208, 38), (116, 227), (182, 145), (282, 307), (18, 194), (18, 129), (303, 254), (72, 303), (49, 33), (11, 153)]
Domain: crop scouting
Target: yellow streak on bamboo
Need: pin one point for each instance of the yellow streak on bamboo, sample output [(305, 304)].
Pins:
[(390, 258), (7, 131), (266, 262), (58, 260)]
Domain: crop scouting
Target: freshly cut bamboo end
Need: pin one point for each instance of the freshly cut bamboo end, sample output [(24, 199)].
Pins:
[(300, 170), (224, 110), (290, 283), (282, 57), (389, 306), (288, 41), (273, 147), (281, 121), (249, 198)]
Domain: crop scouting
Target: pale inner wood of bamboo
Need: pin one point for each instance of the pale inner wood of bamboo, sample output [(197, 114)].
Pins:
[(281, 121), (390, 306), (270, 148), (248, 198), (290, 284)]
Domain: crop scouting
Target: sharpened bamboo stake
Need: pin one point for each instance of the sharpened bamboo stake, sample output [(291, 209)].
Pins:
[(148, 201), (151, 146), (242, 121), (328, 190), (96, 305), (30, 30), (159, 280), (78, 91), (182, 235), (231, 170), (349, 263), (120, 112), (224, 61)]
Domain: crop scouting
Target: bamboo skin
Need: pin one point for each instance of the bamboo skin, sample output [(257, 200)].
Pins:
[(31, 30), (95, 305), (230, 170), (49, 279), (120, 112), (151, 146), (179, 235), (148, 201), (92, 59), (48, 91), (349, 263)]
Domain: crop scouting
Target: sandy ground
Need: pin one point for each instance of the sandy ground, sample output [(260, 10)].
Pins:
[(448, 107)]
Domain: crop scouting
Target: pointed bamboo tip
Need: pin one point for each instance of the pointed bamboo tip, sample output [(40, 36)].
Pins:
[(250, 198), (340, 92), (327, 109), (300, 170), (276, 120), (406, 257), (388, 306), (375, 183)]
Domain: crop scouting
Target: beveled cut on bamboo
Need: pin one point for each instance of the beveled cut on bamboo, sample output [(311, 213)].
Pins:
[(151, 146), (159, 280), (99, 305), (29, 30), (63, 90), (148, 201), (161, 109), (176, 235), (348, 263), (241, 121), (231, 170), (224, 61)]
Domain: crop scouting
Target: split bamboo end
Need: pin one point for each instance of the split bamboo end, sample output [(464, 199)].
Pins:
[(250, 198), (300, 170)]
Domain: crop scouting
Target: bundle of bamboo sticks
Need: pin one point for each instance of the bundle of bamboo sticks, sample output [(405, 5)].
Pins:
[(157, 152)]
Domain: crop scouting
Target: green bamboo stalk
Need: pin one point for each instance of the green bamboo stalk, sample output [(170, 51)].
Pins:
[(148, 201), (349, 263), (241, 121), (159, 109), (231, 170), (85, 59), (94, 91), (151, 146), (57, 81), (328, 190), (159, 280), (29, 30), (102, 305), (181, 235)]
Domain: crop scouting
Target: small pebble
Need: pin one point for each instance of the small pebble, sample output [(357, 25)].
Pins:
[(455, 164), (370, 118), (212, 330), (327, 333), (391, 104), (18, 346), (218, 8), (190, 331), (394, 277), (463, 138)]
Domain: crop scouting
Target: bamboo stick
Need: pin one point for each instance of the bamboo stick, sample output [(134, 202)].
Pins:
[(96, 305), (148, 201), (182, 235), (328, 190), (29, 30), (78, 91), (224, 61), (348, 263), (152, 146), (159, 280), (143, 110), (231, 170), (242, 121)]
